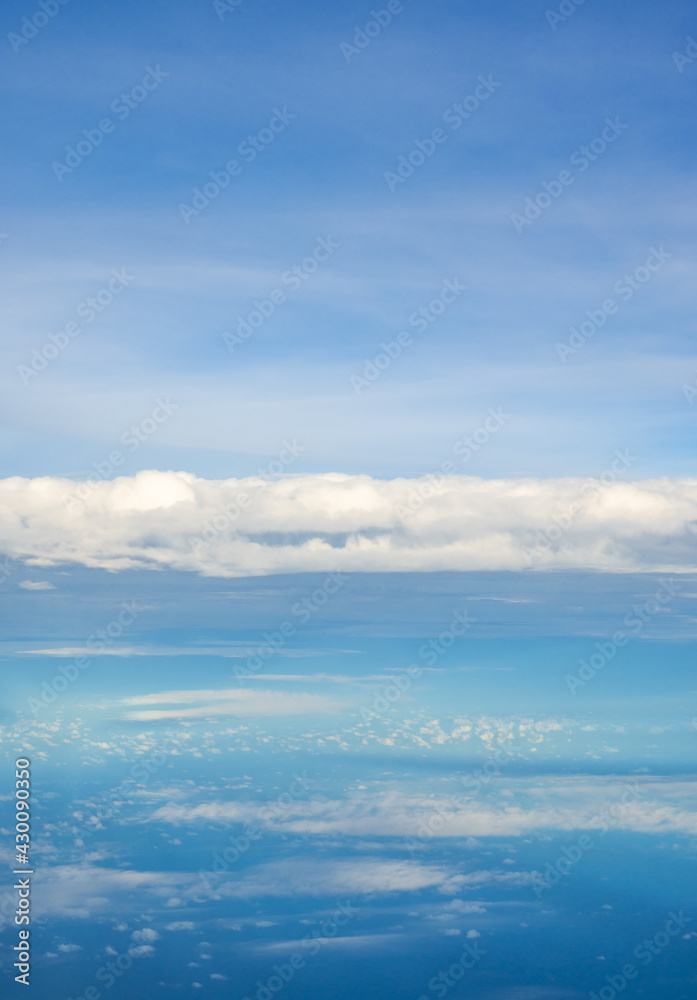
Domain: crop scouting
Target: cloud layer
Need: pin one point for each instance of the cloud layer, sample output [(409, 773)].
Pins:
[(318, 523), (640, 807)]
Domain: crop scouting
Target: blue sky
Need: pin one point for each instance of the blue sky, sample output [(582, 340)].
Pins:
[(324, 176), (347, 496)]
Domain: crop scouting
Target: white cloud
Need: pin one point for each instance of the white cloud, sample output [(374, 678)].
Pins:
[(68, 885), (72, 651), (67, 948), (316, 877), (38, 585), (232, 650), (462, 907), (233, 701), (142, 951), (350, 523), (180, 925), (293, 877), (147, 934), (560, 806), (351, 941)]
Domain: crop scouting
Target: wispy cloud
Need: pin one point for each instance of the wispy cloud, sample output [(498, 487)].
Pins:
[(70, 651), (239, 650), (229, 701)]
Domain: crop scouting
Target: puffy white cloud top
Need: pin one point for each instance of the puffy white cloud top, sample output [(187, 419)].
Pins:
[(308, 523)]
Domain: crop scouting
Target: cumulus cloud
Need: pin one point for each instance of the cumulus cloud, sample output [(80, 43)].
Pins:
[(147, 934), (36, 585), (318, 523), (462, 907), (142, 951)]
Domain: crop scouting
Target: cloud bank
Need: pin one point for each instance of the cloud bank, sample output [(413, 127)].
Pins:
[(350, 523), (636, 807)]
